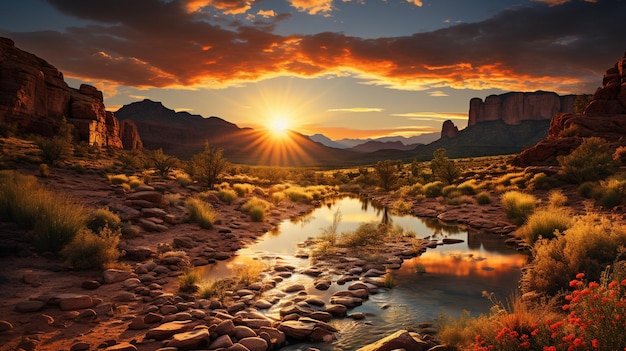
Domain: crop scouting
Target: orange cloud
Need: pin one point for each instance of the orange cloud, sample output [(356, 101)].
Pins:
[(337, 133), (231, 7), (417, 3), (312, 7), (356, 109)]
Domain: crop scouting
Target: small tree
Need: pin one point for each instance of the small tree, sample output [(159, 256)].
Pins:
[(442, 168), (592, 160), (162, 162), (208, 165), (57, 148), (387, 174)]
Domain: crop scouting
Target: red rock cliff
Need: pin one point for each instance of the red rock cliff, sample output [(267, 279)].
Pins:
[(35, 97)]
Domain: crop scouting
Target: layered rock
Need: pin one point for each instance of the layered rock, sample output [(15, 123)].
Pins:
[(515, 107), (604, 116), (35, 97)]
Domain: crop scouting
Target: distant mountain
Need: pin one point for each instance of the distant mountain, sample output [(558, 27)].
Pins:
[(183, 134), (375, 145), (347, 143)]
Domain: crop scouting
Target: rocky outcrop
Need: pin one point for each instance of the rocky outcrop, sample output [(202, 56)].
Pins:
[(515, 107), (35, 98), (449, 130), (604, 116)]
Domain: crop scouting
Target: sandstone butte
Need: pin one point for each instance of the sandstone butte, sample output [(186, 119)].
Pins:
[(604, 116), (35, 98)]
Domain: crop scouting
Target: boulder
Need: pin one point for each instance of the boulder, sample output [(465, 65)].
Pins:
[(254, 343), (115, 275), (72, 302), (189, 340), (167, 330), (401, 339)]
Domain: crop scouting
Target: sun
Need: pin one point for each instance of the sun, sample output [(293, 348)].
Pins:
[(279, 125)]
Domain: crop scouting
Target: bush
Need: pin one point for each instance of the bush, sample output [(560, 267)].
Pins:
[(249, 272), (401, 207), (543, 224), (216, 288), (297, 194), (101, 218), (201, 213), (467, 188), (256, 208), (433, 189), (88, 250), (449, 191), (541, 181), (592, 160), (183, 179), (227, 196), (278, 197), (366, 234), (118, 179), (586, 189), (243, 188), (188, 282), (518, 206), (556, 198), (57, 148), (483, 198), (590, 244)]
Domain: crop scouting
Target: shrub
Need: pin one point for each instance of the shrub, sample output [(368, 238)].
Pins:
[(172, 199), (518, 206), (592, 160), (541, 181), (208, 165), (118, 179), (297, 194), (543, 224), (216, 288), (449, 190), (433, 189), (201, 213), (278, 197), (44, 170), (134, 181), (330, 234), (483, 198), (243, 188), (586, 189), (442, 168), (556, 198), (402, 207), (366, 234), (183, 179), (88, 250), (101, 218), (590, 244), (467, 188), (227, 196), (188, 282), (57, 148), (249, 272), (256, 208)]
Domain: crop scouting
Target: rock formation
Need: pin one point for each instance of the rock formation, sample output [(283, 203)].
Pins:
[(515, 107), (449, 130), (604, 116), (35, 97)]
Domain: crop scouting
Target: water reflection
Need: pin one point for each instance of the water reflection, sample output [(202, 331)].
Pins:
[(447, 279)]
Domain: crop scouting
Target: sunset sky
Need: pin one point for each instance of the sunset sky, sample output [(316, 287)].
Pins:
[(344, 68)]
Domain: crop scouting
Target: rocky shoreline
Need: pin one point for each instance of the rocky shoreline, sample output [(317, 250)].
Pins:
[(47, 306)]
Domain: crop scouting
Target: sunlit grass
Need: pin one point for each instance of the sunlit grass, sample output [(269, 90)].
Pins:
[(214, 288), (518, 206), (256, 208), (544, 223), (89, 250), (201, 212), (227, 196), (249, 272), (188, 282)]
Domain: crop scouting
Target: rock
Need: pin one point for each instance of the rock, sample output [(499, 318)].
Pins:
[(278, 337), (294, 288), (137, 323), (152, 317), (226, 327), (123, 346), (297, 329), (262, 304), (242, 331), (30, 306), (167, 330), (72, 302), (449, 241), (80, 346), (347, 301), (322, 284), (449, 130), (115, 275), (190, 340), (401, 339), (31, 278), (138, 253), (87, 315), (254, 343), (153, 197), (124, 296), (337, 310), (222, 341), (5, 326), (238, 347), (90, 285)]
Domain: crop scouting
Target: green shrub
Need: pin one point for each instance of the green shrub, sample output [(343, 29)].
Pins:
[(297, 194), (590, 244), (227, 196), (402, 207), (214, 289), (256, 208), (518, 206), (433, 189), (101, 218), (586, 189), (556, 198), (243, 188), (467, 188), (592, 160), (366, 234), (543, 223), (88, 250), (57, 148), (483, 198), (447, 190), (188, 282), (541, 181), (201, 212), (277, 197)]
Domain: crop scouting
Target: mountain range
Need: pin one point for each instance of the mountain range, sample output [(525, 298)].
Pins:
[(370, 145)]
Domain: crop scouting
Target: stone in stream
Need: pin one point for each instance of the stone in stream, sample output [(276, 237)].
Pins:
[(401, 339), (242, 331), (294, 288), (167, 330), (348, 301), (254, 343), (297, 329), (222, 341), (189, 340)]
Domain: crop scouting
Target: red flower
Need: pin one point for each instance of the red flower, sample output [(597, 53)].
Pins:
[(580, 275), (595, 344)]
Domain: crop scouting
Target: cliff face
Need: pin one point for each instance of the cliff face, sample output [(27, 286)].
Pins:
[(604, 116), (35, 97), (513, 108)]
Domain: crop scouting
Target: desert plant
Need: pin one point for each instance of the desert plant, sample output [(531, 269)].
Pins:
[(556, 198), (201, 212), (277, 197), (227, 196), (518, 206), (433, 189), (592, 160), (366, 234), (483, 198), (214, 289), (256, 208), (329, 234), (188, 282), (443, 169), (541, 181), (89, 250), (544, 223), (44, 170), (117, 179), (243, 188), (163, 163), (387, 173), (208, 165), (401, 207), (58, 147), (450, 191), (101, 218), (468, 187), (249, 272)]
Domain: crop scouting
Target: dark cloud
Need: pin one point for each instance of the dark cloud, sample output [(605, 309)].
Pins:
[(153, 43)]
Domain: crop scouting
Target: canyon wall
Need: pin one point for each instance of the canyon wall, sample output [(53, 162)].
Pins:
[(515, 107), (35, 98)]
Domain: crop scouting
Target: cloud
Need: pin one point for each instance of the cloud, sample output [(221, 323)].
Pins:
[(231, 7), (266, 13), (429, 116), (417, 3), (356, 109), (151, 43), (336, 133), (312, 7), (437, 93)]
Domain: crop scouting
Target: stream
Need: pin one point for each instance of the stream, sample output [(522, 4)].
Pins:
[(446, 280)]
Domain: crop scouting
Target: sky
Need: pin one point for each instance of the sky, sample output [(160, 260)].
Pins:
[(343, 68)]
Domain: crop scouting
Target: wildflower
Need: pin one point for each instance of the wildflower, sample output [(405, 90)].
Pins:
[(595, 344), (623, 282), (612, 284), (580, 275)]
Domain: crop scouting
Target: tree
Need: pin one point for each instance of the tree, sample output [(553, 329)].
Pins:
[(387, 174), (208, 165), (162, 162), (442, 168)]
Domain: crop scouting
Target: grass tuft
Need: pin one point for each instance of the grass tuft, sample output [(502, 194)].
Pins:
[(518, 206), (201, 212)]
